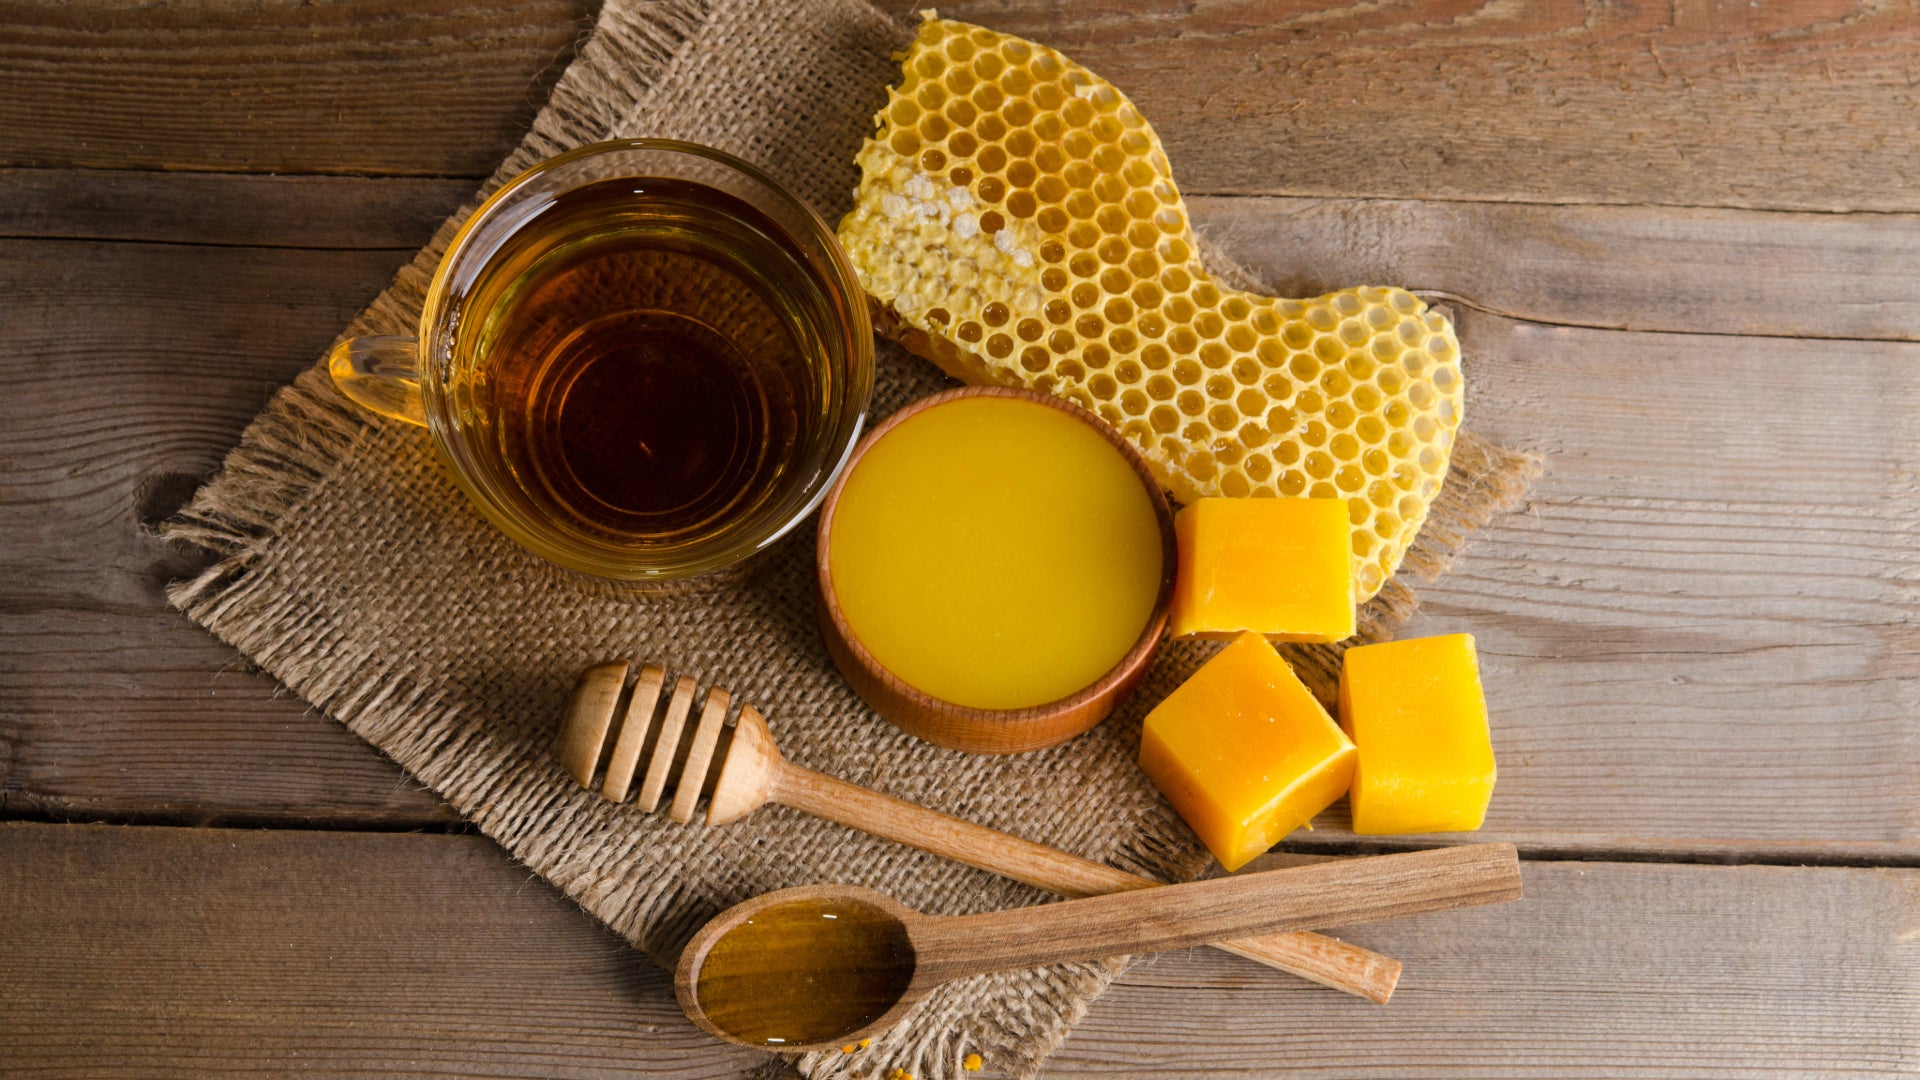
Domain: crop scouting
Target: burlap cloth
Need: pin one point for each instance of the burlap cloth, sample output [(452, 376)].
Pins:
[(352, 570)]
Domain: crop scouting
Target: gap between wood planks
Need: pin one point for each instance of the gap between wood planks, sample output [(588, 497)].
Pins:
[(1826, 276), (11, 809), (1441, 298), (470, 181)]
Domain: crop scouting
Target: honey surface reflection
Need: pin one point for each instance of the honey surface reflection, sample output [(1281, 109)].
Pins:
[(643, 364), (805, 972)]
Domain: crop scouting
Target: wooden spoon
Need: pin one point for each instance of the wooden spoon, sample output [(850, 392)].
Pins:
[(818, 966), (740, 769)]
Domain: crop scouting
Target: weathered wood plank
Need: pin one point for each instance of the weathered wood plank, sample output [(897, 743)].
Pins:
[(1603, 970), (129, 371), (187, 952), (1704, 624), (1611, 267), (328, 212), (164, 952), (1698, 640), (1804, 106), (338, 86), (1800, 106)]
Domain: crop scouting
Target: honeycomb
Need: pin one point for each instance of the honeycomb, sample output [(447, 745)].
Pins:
[(1017, 223)]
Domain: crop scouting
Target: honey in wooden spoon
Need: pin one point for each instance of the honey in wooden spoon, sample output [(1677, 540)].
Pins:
[(806, 972), (813, 967)]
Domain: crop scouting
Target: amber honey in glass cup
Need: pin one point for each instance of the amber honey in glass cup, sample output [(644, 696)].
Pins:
[(641, 360)]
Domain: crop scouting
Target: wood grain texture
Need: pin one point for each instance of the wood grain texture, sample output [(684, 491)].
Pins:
[(338, 86), (1800, 106), (1699, 641), (128, 374), (1670, 269), (161, 953), (1603, 970), (1609, 267), (354, 212), (1330, 894), (1787, 106), (187, 953), (1704, 624)]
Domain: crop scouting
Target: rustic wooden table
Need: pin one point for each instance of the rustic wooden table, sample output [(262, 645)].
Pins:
[(1683, 241)]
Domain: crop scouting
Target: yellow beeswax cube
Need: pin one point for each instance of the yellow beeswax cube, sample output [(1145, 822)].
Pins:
[(1244, 752), (1416, 712), (1278, 567)]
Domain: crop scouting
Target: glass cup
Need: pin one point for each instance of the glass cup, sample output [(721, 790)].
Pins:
[(641, 360)]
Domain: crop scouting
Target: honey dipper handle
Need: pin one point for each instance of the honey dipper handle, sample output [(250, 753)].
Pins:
[(1335, 893), (1319, 959)]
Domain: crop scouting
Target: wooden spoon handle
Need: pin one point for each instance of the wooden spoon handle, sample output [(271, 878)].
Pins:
[(1323, 960), (1335, 893)]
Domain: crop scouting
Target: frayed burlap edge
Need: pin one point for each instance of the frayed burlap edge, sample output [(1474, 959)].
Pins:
[(308, 428)]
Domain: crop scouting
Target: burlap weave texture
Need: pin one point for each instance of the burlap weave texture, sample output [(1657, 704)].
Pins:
[(352, 570)]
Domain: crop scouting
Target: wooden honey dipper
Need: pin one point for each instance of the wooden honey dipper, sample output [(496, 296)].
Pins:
[(738, 769)]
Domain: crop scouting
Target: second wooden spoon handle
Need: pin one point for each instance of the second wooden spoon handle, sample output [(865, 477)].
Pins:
[(1336, 893), (1320, 959)]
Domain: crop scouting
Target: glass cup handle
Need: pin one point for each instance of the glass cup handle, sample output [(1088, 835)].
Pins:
[(381, 373)]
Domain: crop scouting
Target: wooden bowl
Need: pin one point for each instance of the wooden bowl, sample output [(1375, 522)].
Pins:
[(990, 731)]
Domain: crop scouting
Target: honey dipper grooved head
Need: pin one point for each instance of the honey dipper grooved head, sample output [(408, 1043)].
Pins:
[(1017, 223), (615, 733)]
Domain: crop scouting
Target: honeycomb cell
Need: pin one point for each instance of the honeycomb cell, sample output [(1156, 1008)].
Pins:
[(1017, 223)]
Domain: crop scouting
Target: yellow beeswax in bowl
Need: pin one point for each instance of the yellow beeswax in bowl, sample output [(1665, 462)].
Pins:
[(995, 552), (1244, 751), (1417, 714)]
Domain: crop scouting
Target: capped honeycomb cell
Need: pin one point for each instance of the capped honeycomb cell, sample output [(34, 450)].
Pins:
[(1017, 224)]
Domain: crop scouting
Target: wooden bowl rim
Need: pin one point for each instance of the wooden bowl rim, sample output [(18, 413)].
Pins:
[(1142, 648)]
